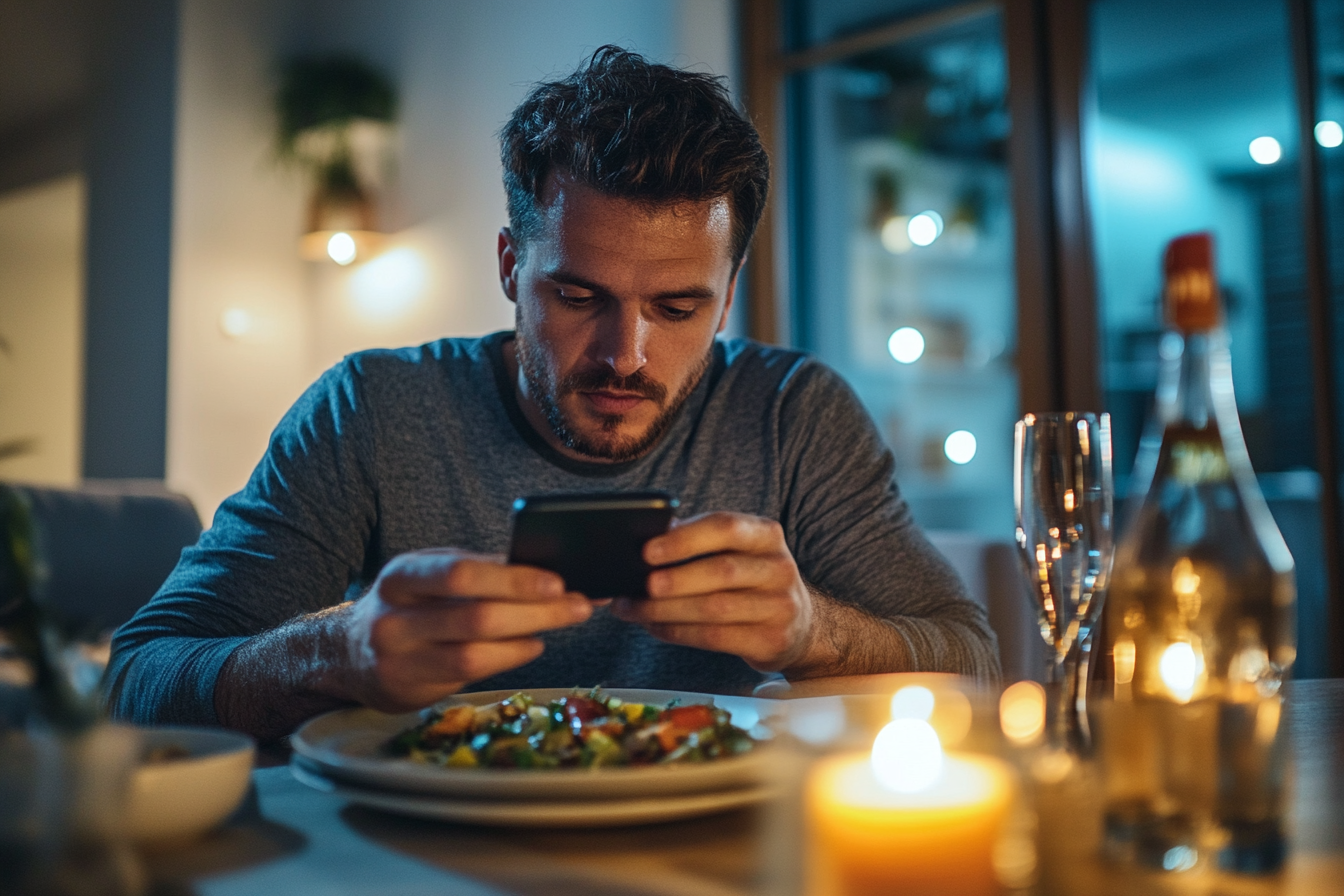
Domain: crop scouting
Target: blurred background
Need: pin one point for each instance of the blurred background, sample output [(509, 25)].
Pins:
[(969, 207)]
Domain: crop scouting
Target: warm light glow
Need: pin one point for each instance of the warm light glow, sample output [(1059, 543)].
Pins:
[(1068, 500), (1124, 660), (389, 284), (907, 756), (959, 447), (912, 703), (1329, 134), (1022, 711), (924, 228), (236, 322), (1185, 585), (1266, 150), (1179, 668), (906, 345), (341, 248), (895, 236)]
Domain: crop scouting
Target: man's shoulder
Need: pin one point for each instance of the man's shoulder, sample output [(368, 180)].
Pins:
[(449, 356), (754, 366)]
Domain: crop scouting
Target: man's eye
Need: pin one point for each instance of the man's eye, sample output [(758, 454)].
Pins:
[(675, 312), (576, 301)]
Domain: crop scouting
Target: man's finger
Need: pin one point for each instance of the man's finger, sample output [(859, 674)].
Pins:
[(724, 608), (413, 577), (434, 671), (466, 619), (720, 572), (712, 533)]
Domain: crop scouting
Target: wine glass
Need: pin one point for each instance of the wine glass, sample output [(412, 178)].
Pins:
[(1064, 495)]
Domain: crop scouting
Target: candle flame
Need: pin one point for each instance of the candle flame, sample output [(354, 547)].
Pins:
[(907, 756), (913, 702)]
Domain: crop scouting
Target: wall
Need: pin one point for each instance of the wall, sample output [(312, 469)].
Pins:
[(460, 69), (42, 320)]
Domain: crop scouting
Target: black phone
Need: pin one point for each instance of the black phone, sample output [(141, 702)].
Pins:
[(594, 540)]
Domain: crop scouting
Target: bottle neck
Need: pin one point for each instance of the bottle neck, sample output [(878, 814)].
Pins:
[(1194, 385)]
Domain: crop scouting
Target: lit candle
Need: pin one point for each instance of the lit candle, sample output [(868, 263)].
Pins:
[(906, 818)]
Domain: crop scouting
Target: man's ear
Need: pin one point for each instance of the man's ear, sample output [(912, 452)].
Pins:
[(732, 291), (508, 264)]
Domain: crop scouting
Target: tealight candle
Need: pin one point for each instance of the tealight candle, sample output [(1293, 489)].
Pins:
[(906, 818)]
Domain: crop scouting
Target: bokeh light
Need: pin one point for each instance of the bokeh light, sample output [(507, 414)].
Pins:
[(1266, 150), (960, 447), (906, 345), (924, 228), (1329, 134), (341, 248)]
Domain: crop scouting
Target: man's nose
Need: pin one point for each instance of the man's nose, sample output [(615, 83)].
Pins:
[(622, 341)]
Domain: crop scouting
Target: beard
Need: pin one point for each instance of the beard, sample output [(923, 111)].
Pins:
[(604, 444)]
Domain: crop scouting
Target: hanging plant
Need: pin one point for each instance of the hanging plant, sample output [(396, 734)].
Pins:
[(333, 115)]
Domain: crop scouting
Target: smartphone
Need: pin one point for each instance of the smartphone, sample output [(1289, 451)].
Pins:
[(595, 540)]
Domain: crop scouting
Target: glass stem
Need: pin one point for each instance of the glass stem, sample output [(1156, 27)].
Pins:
[(1069, 729)]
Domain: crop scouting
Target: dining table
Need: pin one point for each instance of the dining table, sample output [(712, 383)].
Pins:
[(290, 838)]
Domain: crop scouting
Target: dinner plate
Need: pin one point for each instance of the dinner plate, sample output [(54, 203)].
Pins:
[(536, 814), (346, 745)]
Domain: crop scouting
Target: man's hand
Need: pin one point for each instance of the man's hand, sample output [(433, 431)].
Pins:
[(736, 591), (436, 620), (432, 622)]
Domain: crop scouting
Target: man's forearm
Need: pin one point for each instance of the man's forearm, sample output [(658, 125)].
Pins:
[(846, 640), (280, 678)]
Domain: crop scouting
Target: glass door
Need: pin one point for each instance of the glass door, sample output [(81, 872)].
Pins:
[(903, 246)]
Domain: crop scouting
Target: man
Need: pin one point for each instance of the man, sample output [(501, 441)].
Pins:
[(633, 190)]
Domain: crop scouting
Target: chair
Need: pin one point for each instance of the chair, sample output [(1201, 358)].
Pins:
[(106, 547)]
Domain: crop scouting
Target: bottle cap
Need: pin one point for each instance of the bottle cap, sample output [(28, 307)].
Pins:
[(1190, 295)]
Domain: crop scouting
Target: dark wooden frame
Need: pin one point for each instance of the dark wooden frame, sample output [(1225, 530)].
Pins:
[(1325, 400)]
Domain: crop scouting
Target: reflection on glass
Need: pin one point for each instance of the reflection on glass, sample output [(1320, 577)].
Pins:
[(1195, 128), (905, 275)]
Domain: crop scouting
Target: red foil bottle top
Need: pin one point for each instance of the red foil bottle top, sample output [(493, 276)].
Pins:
[(1190, 294)]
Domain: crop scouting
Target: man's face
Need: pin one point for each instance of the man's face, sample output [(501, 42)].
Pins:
[(618, 304)]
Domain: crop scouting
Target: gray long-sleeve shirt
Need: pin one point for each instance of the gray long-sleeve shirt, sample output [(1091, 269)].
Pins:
[(392, 451)]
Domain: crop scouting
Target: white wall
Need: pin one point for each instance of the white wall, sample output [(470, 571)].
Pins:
[(42, 320), (460, 68)]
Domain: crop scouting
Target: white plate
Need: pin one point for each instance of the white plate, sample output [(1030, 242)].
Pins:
[(540, 814), (347, 745)]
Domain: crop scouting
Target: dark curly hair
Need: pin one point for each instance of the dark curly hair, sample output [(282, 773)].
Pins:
[(636, 130)]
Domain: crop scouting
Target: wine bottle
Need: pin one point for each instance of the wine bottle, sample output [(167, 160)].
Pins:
[(1200, 618)]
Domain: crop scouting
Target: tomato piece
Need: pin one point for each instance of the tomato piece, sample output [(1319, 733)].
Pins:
[(668, 736), (455, 720), (689, 718), (582, 710)]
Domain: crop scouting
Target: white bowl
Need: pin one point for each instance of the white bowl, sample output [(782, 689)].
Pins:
[(177, 799)]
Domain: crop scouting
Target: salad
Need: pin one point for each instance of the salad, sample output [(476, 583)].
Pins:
[(582, 730)]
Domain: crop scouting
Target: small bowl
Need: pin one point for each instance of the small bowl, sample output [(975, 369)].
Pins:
[(181, 798)]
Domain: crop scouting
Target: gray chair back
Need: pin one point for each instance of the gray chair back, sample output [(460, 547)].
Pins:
[(106, 548)]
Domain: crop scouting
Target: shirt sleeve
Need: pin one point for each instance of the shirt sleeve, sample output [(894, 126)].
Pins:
[(291, 542), (854, 538)]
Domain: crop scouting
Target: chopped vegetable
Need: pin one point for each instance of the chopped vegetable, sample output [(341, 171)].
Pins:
[(587, 730)]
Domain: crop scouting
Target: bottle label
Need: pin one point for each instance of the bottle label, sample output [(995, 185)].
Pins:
[(1199, 460)]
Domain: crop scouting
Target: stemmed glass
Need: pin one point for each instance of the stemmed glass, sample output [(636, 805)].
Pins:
[(1064, 495)]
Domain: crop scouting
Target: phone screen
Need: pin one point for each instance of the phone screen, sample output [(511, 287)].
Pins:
[(595, 541)]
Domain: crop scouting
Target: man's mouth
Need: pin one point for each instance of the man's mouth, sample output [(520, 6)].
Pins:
[(606, 401)]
